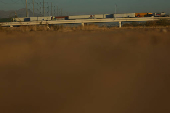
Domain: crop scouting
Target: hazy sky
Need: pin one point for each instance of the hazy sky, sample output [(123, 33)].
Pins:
[(94, 6)]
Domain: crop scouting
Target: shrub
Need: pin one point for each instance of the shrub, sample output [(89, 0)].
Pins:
[(0, 26), (56, 27), (133, 24), (150, 23), (163, 22)]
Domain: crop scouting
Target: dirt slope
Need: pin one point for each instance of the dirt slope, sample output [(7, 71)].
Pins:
[(120, 71)]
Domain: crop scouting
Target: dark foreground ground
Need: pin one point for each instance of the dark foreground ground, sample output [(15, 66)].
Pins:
[(116, 71)]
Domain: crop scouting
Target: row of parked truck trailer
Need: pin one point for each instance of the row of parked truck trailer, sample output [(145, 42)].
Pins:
[(98, 16)]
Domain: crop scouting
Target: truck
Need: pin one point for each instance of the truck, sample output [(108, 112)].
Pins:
[(143, 14), (125, 15), (160, 14)]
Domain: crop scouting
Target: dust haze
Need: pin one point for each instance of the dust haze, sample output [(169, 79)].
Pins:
[(118, 71)]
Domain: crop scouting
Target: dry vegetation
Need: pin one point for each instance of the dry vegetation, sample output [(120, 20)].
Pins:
[(85, 71), (162, 23), (158, 23), (59, 28), (0, 28)]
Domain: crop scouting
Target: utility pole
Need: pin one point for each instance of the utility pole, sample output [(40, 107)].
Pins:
[(57, 10), (115, 8), (43, 8), (26, 9), (48, 10), (54, 11), (33, 7), (51, 9), (40, 11), (61, 12)]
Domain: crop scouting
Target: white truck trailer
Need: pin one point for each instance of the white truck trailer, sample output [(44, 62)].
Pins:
[(125, 15)]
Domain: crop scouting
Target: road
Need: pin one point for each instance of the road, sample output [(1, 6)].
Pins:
[(82, 21)]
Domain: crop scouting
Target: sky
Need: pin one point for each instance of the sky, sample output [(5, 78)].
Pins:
[(93, 6)]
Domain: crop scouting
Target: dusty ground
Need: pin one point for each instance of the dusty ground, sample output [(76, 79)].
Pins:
[(113, 71)]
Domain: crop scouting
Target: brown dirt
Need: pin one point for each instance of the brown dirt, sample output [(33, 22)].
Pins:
[(112, 71)]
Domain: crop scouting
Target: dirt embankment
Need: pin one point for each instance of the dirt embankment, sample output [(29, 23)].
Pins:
[(114, 71)]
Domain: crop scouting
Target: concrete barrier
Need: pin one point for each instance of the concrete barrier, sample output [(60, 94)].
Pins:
[(83, 21)]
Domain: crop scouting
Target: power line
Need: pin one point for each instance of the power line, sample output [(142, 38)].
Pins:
[(23, 2), (26, 9), (10, 3), (42, 7)]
